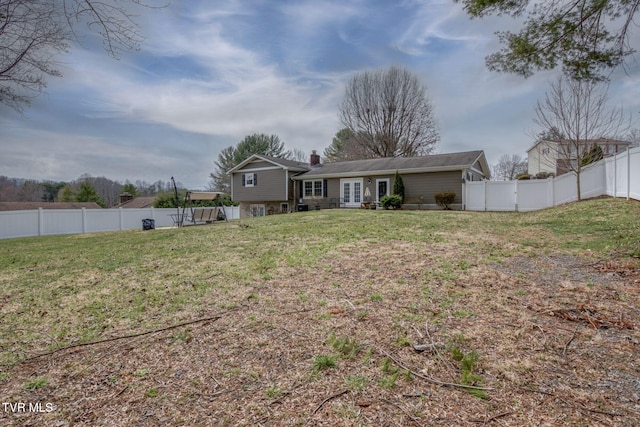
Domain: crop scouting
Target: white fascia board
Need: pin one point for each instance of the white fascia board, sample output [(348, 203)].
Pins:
[(268, 168), (252, 158), (358, 174)]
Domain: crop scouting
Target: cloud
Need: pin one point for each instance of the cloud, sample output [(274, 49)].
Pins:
[(211, 73)]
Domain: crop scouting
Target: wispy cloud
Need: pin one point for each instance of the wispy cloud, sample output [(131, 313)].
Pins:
[(211, 73)]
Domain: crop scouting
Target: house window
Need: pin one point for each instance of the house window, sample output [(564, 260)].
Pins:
[(313, 189), (257, 210), (250, 180)]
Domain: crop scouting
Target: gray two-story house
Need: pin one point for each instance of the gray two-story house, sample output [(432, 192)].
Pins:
[(263, 185)]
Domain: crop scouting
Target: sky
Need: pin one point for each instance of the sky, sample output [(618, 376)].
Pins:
[(210, 73)]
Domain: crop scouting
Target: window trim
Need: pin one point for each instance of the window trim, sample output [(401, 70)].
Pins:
[(317, 192), (249, 177), (260, 207)]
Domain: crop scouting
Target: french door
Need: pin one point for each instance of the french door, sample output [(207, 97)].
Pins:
[(351, 192)]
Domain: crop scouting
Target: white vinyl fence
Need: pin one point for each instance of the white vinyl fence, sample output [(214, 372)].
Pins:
[(44, 222), (617, 176)]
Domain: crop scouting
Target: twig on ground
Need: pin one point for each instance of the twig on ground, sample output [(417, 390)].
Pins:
[(403, 411), (139, 334), (326, 400), (566, 346), (432, 380), (488, 420)]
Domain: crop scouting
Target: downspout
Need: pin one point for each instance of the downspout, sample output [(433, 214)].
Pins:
[(286, 184), (464, 190)]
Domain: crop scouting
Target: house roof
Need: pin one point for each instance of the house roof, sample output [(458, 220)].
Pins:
[(27, 206), (589, 142), (138, 203), (389, 165), (276, 161)]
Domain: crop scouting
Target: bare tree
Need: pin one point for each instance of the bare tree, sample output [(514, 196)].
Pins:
[(634, 138), (34, 32), (389, 114), (577, 109), (508, 167)]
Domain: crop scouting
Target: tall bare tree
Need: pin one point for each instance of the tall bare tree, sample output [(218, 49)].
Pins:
[(577, 110), (389, 114), (508, 167), (34, 32)]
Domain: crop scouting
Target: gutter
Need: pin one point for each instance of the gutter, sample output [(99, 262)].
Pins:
[(305, 175)]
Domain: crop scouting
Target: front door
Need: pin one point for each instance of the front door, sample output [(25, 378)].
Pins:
[(382, 188), (351, 192)]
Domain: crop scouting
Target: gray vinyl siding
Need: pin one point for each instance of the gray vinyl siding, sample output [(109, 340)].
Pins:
[(419, 188), (259, 164), (270, 187)]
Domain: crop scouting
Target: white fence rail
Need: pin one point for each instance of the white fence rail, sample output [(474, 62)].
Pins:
[(45, 222), (617, 176)]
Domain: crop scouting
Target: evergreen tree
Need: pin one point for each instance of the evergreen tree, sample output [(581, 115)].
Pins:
[(593, 155), (398, 186), (87, 193)]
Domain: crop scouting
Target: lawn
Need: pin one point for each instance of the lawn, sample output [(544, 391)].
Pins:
[(332, 317)]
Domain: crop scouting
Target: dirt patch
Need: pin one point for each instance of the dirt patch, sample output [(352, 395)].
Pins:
[(495, 327)]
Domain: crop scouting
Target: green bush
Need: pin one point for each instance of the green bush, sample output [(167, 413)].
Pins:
[(445, 199), (544, 175), (392, 201), (523, 175)]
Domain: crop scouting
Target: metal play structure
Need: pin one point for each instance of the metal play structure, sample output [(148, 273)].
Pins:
[(202, 215)]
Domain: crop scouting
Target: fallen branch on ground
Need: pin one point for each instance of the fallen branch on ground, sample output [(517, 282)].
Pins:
[(326, 400), (122, 337), (432, 380)]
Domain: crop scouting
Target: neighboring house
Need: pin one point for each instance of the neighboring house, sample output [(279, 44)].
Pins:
[(357, 183), (27, 206), (263, 185), (558, 156), (129, 202)]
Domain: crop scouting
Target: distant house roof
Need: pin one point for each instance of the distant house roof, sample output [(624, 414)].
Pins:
[(138, 203), (389, 165), (27, 206), (587, 142), (276, 161)]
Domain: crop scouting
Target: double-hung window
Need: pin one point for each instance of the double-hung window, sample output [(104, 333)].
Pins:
[(249, 180), (313, 189)]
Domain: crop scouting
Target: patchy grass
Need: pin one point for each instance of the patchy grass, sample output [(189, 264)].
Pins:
[(541, 308)]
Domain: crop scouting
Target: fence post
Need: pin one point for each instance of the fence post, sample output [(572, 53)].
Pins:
[(484, 189), (40, 221), (84, 220), (516, 195), (120, 219), (628, 174)]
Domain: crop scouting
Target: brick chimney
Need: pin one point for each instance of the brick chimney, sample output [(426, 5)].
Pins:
[(315, 158), (125, 197)]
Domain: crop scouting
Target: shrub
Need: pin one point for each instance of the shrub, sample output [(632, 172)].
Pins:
[(392, 201), (445, 199), (523, 175), (398, 187), (544, 175)]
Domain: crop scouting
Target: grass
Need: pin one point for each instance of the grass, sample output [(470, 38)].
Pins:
[(285, 283)]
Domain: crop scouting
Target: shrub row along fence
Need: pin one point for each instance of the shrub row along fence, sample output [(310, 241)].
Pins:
[(44, 222), (617, 176)]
